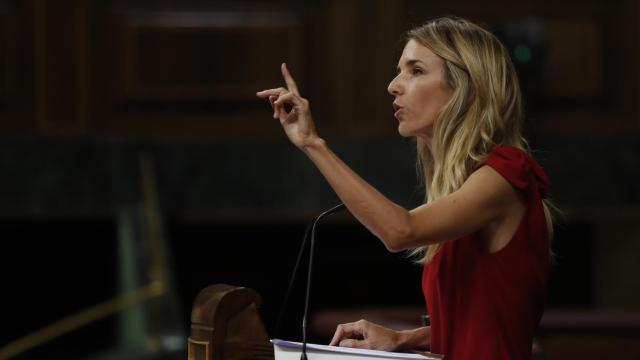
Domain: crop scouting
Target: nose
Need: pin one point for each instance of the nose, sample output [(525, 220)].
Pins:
[(395, 87)]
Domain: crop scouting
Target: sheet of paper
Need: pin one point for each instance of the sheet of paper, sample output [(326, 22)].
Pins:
[(352, 351)]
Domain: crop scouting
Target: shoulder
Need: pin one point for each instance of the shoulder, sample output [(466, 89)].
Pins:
[(484, 198), (503, 178), (518, 168), (489, 187)]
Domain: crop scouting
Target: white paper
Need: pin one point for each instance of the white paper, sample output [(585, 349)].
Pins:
[(290, 350)]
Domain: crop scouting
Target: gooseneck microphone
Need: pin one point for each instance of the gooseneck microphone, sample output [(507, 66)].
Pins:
[(303, 355), (311, 229)]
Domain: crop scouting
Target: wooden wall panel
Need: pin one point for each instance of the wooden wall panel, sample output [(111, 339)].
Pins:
[(204, 56), (16, 98), (361, 48), (3, 57), (581, 85), (574, 67), (61, 65), (196, 72), (627, 59), (148, 68)]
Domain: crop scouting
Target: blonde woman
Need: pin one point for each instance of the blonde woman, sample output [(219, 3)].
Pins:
[(483, 233)]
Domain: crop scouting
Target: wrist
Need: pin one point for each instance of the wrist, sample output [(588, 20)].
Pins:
[(414, 339), (312, 144)]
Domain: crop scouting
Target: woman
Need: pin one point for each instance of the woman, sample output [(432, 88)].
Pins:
[(483, 233)]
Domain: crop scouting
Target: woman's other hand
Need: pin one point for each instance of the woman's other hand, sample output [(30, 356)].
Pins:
[(365, 335), (297, 123)]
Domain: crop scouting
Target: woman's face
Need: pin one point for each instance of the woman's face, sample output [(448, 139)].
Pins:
[(420, 90)]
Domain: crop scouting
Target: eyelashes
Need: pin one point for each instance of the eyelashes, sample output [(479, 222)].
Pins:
[(414, 71)]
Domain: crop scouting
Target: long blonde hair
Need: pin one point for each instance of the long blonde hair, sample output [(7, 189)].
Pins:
[(485, 108)]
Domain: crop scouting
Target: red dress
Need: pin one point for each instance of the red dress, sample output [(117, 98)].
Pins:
[(486, 305)]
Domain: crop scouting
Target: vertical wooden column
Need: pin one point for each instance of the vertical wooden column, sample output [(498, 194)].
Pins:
[(386, 43), (16, 114), (341, 15), (361, 42), (630, 11), (61, 51)]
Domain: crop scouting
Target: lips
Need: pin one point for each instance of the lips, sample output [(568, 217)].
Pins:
[(398, 110)]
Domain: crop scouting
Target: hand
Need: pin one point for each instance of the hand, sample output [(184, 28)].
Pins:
[(297, 123), (365, 335)]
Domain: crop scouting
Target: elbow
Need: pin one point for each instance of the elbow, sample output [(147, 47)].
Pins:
[(399, 239), (392, 248)]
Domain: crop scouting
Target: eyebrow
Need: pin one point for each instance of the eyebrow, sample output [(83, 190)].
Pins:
[(411, 62)]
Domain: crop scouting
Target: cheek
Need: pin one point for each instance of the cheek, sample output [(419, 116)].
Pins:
[(431, 101), (427, 109)]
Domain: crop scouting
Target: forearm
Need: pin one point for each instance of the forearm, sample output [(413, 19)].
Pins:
[(385, 219)]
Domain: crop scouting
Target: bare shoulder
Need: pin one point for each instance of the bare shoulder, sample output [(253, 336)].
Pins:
[(506, 204), (485, 200), (487, 186)]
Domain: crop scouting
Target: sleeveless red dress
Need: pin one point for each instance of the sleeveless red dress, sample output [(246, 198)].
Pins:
[(486, 305)]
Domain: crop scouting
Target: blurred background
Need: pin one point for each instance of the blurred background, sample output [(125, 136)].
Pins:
[(138, 167)]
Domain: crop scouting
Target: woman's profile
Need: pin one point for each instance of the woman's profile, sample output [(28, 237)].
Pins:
[(483, 232)]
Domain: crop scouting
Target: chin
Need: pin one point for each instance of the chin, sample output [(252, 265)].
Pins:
[(412, 131), (404, 132)]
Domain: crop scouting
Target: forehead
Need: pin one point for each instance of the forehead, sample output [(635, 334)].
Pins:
[(413, 50)]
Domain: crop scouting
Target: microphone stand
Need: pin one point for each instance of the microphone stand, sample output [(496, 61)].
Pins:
[(303, 355), (311, 229)]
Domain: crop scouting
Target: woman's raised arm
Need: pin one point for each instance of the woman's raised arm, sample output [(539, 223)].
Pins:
[(484, 197), (381, 216)]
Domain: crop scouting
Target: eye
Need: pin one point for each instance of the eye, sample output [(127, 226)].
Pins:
[(417, 70)]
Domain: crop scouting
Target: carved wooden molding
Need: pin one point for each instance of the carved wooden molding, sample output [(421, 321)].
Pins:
[(175, 56), (225, 324)]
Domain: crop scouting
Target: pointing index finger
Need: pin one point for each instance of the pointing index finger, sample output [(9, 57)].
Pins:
[(291, 84)]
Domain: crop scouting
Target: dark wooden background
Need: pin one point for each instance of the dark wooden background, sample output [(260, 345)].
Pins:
[(86, 86)]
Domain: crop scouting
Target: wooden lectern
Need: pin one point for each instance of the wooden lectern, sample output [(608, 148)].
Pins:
[(225, 325)]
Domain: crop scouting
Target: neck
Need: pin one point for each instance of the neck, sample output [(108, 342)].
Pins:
[(428, 141)]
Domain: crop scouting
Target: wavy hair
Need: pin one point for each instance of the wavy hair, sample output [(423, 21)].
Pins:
[(485, 109)]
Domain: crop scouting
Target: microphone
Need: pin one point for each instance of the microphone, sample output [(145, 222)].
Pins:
[(303, 355), (311, 229)]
